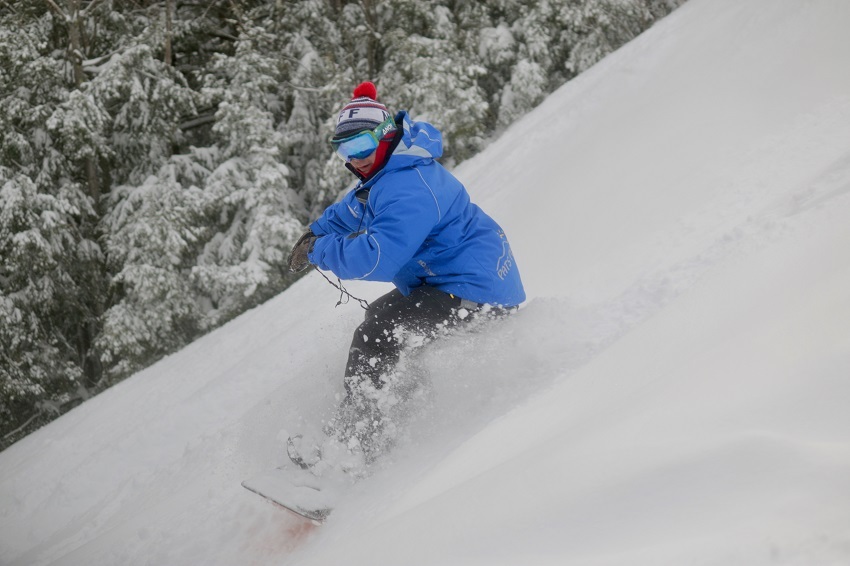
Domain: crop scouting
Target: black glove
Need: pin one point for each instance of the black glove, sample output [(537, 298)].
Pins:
[(298, 256)]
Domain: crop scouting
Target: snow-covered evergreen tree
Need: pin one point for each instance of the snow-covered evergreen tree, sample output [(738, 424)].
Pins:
[(153, 236), (52, 277), (152, 220), (42, 303), (595, 28), (427, 72), (255, 214), (147, 101), (316, 75), (538, 64)]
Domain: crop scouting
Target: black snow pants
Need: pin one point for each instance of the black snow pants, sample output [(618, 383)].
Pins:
[(390, 321), (393, 322)]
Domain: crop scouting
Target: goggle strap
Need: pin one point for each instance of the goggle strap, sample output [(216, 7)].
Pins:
[(379, 132)]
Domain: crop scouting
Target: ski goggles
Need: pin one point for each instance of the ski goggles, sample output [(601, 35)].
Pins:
[(362, 144)]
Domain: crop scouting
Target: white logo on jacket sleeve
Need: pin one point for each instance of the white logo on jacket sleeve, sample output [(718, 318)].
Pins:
[(426, 269), (506, 260)]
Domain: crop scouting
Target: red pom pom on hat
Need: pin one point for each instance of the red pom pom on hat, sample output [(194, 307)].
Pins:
[(363, 112), (367, 89)]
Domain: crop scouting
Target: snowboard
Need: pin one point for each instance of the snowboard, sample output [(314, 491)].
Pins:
[(296, 490)]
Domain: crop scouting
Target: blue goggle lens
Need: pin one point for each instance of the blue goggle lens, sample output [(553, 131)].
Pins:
[(356, 147)]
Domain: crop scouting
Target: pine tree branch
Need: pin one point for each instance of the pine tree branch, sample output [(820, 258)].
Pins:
[(90, 7), (56, 8), (10, 6), (198, 121), (22, 427)]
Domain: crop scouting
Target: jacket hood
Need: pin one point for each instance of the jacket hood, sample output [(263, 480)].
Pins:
[(419, 140), (420, 143)]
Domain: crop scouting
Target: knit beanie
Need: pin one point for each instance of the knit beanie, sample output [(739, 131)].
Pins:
[(364, 112)]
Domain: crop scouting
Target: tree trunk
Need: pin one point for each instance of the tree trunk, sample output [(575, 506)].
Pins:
[(372, 39), (75, 36), (168, 33)]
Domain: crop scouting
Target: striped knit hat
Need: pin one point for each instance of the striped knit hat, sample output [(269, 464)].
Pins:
[(364, 112)]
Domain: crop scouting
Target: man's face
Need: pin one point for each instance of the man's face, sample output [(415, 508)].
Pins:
[(364, 165)]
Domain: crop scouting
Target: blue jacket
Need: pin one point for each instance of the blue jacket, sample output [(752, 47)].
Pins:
[(418, 227)]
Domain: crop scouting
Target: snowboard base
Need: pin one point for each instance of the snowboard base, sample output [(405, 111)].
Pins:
[(297, 491)]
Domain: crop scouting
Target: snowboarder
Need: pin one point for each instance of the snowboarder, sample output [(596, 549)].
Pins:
[(410, 221)]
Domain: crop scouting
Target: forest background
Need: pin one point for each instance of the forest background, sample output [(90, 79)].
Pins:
[(159, 158)]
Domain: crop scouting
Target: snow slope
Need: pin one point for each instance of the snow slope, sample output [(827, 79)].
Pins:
[(675, 391)]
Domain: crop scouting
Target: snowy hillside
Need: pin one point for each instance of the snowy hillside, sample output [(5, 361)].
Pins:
[(675, 391)]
